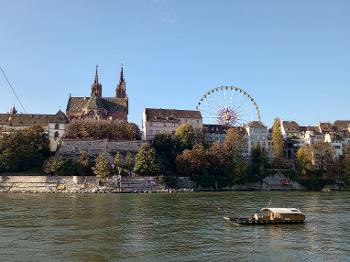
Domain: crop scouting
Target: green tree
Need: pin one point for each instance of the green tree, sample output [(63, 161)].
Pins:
[(192, 162), (259, 164), (166, 150), (102, 167), (23, 149), (129, 162), (277, 140), (146, 162), (233, 143), (58, 166), (84, 164), (346, 167), (185, 136), (304, 160), (117, 162)]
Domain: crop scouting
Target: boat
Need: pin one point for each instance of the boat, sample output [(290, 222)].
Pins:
[(270, 215)]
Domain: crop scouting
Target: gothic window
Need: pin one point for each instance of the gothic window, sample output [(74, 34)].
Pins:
[(56, 135), (57, 126)]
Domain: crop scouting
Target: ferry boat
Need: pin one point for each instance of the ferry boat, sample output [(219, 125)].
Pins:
[(270, 215)]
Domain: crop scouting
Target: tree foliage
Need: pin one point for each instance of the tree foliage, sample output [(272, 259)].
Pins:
[(185, 136), (102, 129), (58, 166), (84, 164), (165, 148), (23, 149), (304, 159), (146, 162), (277, 140), (259, 163), (129, 162), (102, 168)]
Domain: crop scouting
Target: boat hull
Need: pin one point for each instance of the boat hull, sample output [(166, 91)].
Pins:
[(249, 221)]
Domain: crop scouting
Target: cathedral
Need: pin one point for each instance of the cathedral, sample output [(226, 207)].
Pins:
[(98, 107)]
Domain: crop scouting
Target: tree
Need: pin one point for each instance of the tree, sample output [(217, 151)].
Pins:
[(220, 165), (166, 150), (102, 129), (129, 162), (102, 167), (304, 159), (259, 163), (146, 162), (233, 143), (185, 136), (346, 167), (59, 166), (192, 162), (23, 149), (84, 164), (323, 158), (117, 162), (277, 140)]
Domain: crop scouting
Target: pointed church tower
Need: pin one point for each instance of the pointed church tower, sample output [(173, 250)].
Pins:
[(121, 87), (96, 88)]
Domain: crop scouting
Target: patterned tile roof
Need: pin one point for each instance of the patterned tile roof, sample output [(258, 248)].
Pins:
[(153, 114), (111, 104)]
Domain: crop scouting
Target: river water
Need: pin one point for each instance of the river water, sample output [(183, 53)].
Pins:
[(170, 227)]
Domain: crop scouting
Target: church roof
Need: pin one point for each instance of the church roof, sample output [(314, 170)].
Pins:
[(32, 119), (111, 104)]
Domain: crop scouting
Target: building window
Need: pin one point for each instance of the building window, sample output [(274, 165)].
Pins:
[(151, 131), (56, 135), (57, 126)]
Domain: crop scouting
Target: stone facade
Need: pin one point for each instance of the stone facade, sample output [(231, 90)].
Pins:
[(98, 107), (73, 147)]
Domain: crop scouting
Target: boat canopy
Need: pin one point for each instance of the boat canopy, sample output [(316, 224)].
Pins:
[(282, 210)]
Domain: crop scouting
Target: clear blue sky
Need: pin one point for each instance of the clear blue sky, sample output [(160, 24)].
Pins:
[(293, 57)]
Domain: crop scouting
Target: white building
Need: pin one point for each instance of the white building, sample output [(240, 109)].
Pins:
[(53, 124), (156, 121), (258, 134), (214, 133)]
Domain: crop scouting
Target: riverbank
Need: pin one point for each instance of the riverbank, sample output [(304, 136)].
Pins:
[(129, 184)]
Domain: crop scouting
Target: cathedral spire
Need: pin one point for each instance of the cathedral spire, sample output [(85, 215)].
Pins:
[(96, 76), (121, 87), (122, 74), (96, 88)]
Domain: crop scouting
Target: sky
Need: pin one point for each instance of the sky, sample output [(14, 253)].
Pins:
[(292, 57)]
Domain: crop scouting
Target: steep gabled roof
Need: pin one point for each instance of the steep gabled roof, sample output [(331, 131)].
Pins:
[(256, 124), (153, 114), (111, 104), (342, 124), (32, 119), (290, 126)]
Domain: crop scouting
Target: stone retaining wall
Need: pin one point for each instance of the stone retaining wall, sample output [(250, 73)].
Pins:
[(78, 184)]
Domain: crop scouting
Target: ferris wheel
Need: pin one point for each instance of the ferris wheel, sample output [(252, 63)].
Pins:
[(228, 105)]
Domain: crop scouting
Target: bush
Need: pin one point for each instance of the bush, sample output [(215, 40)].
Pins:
[(58, 166), (102, 129), (23, 149)]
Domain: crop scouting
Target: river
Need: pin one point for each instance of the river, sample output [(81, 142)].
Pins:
[(170, 227)]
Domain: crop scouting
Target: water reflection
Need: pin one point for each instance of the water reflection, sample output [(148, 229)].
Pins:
[(173, 227)]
